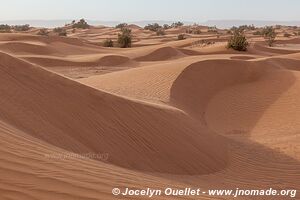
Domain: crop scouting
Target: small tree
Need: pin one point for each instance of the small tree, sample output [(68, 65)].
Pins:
[(238, 41), (124, 38), (108, 43), (269, 35)]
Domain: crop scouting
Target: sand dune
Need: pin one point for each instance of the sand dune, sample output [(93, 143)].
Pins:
[(115, 122), (161, 54), (166, 113)]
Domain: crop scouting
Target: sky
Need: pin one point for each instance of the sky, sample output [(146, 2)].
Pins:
[(138, 10)]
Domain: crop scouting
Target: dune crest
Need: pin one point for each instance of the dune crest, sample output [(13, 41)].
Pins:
[(80, 119)]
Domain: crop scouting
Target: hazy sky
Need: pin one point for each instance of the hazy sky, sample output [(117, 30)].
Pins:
[(136, 10)]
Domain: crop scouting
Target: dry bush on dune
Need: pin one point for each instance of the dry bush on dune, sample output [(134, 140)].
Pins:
[(43, 32), (160, 32), (108, 43), (24, 27), (60, 31), (212, 29), (238, 41), (269, 35), (257, 32), (166, 26), (177, 24), (80, 24), (122, 25), (181, 37), (125, 38), (153, 27)]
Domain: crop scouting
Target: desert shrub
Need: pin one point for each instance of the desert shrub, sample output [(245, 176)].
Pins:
[(197, 31), (43, 32), (234, 28), (269, 35), (153, 27), (108, 43), (122, 25), (166, 26), (124, 38), (181, 37), (212, 29), (193, 30), (257, 33), (246, 27), (60, 31), (4, 28), (25, 27), (81, 24), (160, 32), (238, 41), (177, 24), (287, 35)]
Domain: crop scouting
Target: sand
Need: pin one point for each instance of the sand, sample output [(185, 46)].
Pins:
[(164, 113)]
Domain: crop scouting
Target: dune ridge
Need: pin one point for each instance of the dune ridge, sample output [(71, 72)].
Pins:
[(113, 118)]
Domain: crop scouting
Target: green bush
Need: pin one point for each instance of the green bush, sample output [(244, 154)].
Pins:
[(269, 35), (125, 38), (4, 28), (43, 32), (177, 24), (80, 24), (153, 27), (181, 37), (60, 31), (166, 26), (257, 33), (238, 41), (108, 43), (122, 25)]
